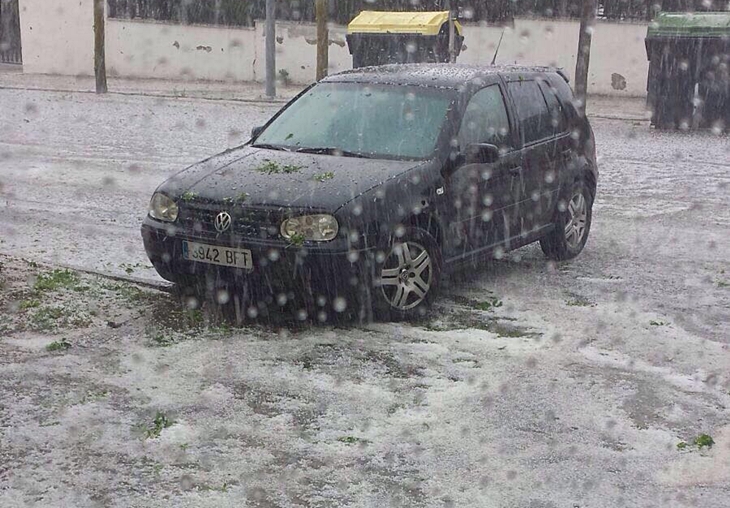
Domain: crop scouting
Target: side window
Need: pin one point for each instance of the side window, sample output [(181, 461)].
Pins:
[(532, 111), (485, 119), (557, 115)]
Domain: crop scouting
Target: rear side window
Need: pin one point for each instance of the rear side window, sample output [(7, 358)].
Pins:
[(485, 119), (532, 111), (557, 115)]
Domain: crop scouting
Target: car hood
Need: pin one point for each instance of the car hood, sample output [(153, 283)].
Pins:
[(279, 178)]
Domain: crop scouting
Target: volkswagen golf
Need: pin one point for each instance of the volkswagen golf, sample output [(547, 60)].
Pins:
[(368, 187)]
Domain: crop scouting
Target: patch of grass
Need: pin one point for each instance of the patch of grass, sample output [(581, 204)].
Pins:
[(58, 345), (29, 304), (273, 168), (160, 423), (6, 325), (189, 196), (657, 323), (351, 440), (93, 396), (56, 279), (507, 330), (128, 292), (576, 300), (323, 177), (163, 339), (723, 284), (491, 303), (50, 318), (703, 440)]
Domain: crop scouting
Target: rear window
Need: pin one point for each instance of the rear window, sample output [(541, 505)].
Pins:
[(532, 111)]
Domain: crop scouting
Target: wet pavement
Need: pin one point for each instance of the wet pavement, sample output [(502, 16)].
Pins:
[(573, 392)]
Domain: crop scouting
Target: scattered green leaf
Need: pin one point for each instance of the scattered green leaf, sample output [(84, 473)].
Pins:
[(323, 177), (188, 196), (297, 239), (271, 168)]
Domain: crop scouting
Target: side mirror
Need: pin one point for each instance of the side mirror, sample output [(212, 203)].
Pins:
[(256, 131), (481, 153)]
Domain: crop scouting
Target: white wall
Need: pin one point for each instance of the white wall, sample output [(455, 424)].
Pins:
[(57, 36), (59, 39), (296, 51), (159, 50)]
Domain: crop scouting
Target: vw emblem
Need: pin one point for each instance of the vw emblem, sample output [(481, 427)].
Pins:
[(222, 222)]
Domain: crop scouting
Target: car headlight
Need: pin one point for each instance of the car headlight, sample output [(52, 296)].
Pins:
[(316, 228), (163, 208)]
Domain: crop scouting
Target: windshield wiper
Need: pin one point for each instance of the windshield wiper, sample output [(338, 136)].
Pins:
[(268, 146), (333, 151)]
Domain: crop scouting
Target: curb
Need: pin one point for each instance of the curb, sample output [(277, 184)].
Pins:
[(163, 286), (275, 101)]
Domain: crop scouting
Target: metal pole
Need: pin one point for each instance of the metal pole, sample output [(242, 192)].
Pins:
[(322, 38), (99, 54), (270, 48), (587, 21), (452, 34)]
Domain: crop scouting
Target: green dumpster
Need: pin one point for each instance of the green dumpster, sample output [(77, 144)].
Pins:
[(689, 57), (377, 38)]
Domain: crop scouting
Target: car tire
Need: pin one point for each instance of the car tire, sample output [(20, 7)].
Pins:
[(406, 276), (572, 221)]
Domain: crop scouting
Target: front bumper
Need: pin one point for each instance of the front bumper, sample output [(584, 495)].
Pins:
[(325, 268)]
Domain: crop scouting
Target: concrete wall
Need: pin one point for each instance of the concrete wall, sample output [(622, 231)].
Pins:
[(59, 39), (57, 36), (158, 50)]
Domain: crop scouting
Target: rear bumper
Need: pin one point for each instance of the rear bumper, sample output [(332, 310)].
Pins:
[(276, 266)]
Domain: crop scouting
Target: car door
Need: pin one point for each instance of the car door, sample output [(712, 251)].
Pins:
[(484, 196), (539, 156)]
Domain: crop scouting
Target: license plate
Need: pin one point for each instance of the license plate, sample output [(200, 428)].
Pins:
[(215, 255)]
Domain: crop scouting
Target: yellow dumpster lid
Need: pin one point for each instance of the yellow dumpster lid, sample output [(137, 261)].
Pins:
[(424, 23)]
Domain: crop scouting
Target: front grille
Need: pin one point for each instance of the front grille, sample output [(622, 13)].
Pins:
[(245, 222)]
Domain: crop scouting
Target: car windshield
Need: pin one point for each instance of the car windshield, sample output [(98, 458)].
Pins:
[(381, 121)]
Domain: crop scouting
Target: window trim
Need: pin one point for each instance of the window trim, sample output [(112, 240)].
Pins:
[(515, 141)]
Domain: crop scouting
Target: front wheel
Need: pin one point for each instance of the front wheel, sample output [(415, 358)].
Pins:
[(572, 224), (407, 276)]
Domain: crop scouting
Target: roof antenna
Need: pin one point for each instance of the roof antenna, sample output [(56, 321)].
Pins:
[(494, 59)]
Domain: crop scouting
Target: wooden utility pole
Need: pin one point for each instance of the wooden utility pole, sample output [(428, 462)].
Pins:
[(270, 48), (99, 53), (587, 23), (322, 38)]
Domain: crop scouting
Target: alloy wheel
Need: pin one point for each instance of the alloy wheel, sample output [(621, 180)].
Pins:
[(407, 275), (577, 216)]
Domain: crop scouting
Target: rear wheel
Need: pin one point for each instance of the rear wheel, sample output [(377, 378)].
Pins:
[(572, 224), (408, 275)]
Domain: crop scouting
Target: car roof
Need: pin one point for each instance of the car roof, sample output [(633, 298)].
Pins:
[(440, 75)]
